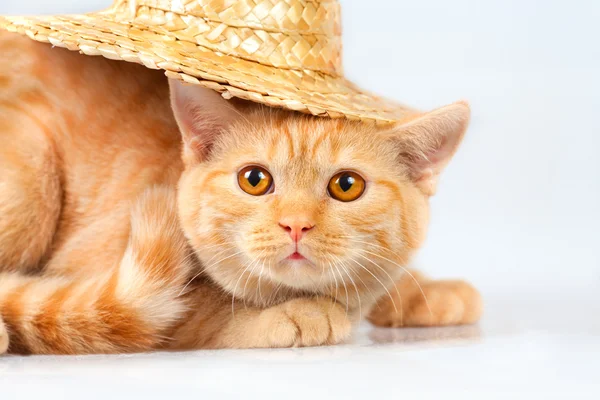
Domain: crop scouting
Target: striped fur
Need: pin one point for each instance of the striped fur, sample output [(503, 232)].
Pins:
[(128, 308)]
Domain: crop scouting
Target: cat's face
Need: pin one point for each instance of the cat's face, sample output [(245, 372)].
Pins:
[(276, 203)]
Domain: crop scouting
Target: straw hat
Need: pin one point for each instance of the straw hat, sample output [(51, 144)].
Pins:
[(283, 53)]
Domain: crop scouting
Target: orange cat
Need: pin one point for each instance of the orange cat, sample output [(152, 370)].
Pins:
[(263, 228)]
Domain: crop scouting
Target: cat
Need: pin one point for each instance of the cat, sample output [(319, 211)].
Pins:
[(261, 228)]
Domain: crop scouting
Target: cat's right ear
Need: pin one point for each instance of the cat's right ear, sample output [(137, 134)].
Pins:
[(428, 141), (202, 114)]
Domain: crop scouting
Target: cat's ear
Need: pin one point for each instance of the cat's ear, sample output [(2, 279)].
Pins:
[(427, 143), (202, 114)]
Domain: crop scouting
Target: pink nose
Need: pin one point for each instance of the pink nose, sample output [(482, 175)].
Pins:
[(296, 227)]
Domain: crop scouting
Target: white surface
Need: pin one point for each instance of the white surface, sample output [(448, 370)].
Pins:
[(526, 349), (517, 211)]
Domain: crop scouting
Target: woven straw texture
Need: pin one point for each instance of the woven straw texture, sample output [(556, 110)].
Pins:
[(282, 53)]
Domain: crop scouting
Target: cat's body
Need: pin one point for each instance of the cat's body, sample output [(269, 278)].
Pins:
[(103, 223)]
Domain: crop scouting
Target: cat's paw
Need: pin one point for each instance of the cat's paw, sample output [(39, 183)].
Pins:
[(441, 303), (3, 337), (305, 322)]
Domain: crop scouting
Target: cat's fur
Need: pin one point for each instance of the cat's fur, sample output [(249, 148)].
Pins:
[(105, 216)]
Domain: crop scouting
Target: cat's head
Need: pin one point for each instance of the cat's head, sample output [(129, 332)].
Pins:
[(276, 203)]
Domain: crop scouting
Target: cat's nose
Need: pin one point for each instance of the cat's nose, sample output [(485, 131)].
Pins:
[(296, 226)]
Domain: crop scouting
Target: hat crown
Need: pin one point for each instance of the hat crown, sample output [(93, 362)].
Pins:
[(293, 34)]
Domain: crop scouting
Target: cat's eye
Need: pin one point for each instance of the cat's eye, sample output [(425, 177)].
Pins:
[(255, 180), (346, 186)]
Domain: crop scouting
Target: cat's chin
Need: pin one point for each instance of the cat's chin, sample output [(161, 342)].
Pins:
[(298, 273)]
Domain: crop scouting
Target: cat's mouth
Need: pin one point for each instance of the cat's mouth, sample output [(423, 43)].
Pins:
[(296, 256), (298, 269)]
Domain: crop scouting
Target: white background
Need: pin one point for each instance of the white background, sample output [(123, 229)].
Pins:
[(518, 210)]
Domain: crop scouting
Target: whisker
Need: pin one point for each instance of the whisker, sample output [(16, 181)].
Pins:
[(409, 274), (322, 274), (212, 246), (260, 275), (369, 243), (255, 262), (378, 280), (247, 266), (336, 285), (375, 298), (274, 294), (219, 253), (204, 269), (335, 265), (345, 269)]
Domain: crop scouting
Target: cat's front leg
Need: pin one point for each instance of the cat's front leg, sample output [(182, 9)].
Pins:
[(295, 323), (419, 301)]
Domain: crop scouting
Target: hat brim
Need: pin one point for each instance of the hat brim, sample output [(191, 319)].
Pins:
[(305, 91)]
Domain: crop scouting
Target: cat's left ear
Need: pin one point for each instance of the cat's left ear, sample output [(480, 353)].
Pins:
[(202, 114), (427, 143)]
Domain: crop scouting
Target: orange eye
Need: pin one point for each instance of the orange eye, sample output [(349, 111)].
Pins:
[(346, 186), (255, 180)]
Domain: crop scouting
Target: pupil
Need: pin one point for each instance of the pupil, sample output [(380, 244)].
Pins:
[(254, 177), (346, 182)]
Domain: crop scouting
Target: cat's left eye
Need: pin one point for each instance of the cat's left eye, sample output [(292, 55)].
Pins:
[(346, 186), (255, 180)]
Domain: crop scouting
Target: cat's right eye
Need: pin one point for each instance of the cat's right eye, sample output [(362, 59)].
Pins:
[(255, 180)]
